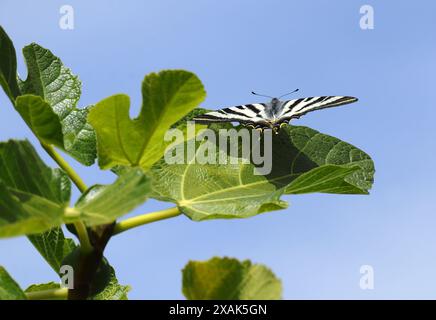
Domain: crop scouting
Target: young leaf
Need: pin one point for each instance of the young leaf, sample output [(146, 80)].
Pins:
[(229, 279), (167, 97), (53, 246), (9, 289), (32, 196), (54, 83), (208, 191), (8, 66), (103, 204)]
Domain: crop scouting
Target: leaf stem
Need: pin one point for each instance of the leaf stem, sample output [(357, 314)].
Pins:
[(65, 166), (145, 219), (82, 233), (60, 293)]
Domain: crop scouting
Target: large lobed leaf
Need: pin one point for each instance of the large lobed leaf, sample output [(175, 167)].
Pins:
[(303, 161), (50, 79), (167, 97), (54, 118), (53, 82), (229, 279)]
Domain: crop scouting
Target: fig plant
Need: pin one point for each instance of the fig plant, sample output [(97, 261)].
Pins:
[(35, 200)]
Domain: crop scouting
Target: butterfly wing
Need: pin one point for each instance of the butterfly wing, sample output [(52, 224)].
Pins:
[(259, 114), (298, 107), (249, 114)]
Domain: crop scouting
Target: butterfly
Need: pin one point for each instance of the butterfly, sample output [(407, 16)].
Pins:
[(274, 114)]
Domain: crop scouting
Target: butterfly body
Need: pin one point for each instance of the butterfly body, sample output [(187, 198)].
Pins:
[(274, 114)]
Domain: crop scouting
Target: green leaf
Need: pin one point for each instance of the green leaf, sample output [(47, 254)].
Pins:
[(208, 191), (53, 246), (32, 196), (8, 66), (22, 213), (182, 123), (103, 204), (50, 79), (22, 169), (317, 149), (9, 289), (326, 179), (229, 279), (54, 83), (79, 136), (41, 119), (167, 97)]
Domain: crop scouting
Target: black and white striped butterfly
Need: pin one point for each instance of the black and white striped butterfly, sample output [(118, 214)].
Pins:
[(274, 114)]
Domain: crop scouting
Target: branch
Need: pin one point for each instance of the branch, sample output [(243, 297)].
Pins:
[(145, 219), (88, 263)]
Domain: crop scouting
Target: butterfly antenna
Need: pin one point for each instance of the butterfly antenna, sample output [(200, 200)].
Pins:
[(288, 93), (261, 95)]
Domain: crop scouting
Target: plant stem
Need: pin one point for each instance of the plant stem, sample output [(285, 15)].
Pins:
[(145, 218), (60, 293), (65, 166), (91, 255), (88, 263), (82, 233)]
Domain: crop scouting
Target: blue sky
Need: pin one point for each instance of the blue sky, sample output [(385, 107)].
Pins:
[(318, 244)]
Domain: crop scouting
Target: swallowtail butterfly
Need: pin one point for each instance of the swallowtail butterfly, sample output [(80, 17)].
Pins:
[(274, 114)]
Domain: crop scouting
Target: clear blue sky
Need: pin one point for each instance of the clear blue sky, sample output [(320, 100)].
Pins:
[(318, 244)]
